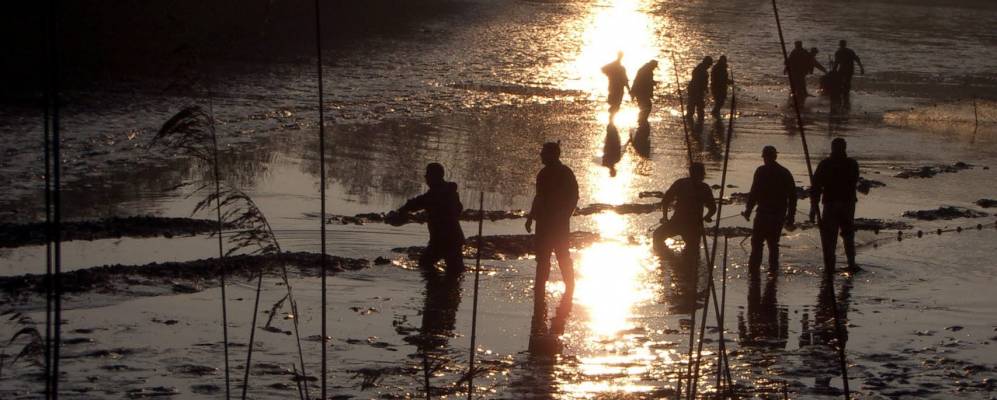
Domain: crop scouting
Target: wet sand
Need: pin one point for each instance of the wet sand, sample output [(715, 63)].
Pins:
[(921, 317)]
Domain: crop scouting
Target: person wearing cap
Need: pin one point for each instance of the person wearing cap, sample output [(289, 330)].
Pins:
[(443, 207), (642, 90), (697, 89), (834, 184), (774, 192), (618, 80), (690, 196), (554, 203)]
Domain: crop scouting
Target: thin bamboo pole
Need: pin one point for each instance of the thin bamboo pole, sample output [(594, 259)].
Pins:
[(252, 335), (474, 308), (843, 363), (221, 251), (321, 146), (46, 106), (56, 229)]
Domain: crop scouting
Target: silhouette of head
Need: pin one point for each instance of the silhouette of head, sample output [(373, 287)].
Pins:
[(843, 43), (619, 56), (697, 171), (434, 173), (769, 154), (798, 44), (813, 51), (653, 63), (708, 61), (722, 60), (550, 153), (838, 147)]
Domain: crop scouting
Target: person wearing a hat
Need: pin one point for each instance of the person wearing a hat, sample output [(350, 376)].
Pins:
[(774, 192)]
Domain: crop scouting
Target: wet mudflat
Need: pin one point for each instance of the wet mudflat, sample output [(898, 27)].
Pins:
[(921, 318)]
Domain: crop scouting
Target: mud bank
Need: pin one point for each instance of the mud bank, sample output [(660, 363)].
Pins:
[(929, 171), (15, 235), (181, 277), (944, 213)]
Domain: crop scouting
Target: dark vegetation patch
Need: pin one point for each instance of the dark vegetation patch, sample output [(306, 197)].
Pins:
[(108, 278), (944, 213), (14, 235), (928, 171), (986, 203)]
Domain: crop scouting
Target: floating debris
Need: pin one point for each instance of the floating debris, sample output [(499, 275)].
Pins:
[(945, 213)]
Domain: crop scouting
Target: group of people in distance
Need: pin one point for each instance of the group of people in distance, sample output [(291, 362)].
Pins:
[(642, 90), (836, 82)]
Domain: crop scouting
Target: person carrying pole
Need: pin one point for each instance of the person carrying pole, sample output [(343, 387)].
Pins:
[(554, 203), (690, 196), (834, 185), (774, 192)]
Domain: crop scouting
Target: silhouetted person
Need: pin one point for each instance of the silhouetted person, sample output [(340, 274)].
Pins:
[(642, 90), (774, 191), (834, 185), (697, 89), (443, 208), (844, 63), (554, 203), (612, 150), (814, 63), (797, 66), (690, 195), (618, 81), (718, 84)]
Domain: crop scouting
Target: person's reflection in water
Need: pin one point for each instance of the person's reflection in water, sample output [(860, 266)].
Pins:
[(439, 316), (819, 336), (554, 203), (767, 324), (641, 141), (680, 284), (618, 81), (612, 150)]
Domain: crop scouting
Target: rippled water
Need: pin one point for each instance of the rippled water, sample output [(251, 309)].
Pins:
[(480, 91)]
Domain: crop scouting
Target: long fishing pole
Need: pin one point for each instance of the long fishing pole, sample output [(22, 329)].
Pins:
[(722, 361), (46, 129), (712, 254), (221, 252), (474, 308), (252, 335), (56, 230), (321, 162), (688, 147), (806, 152)]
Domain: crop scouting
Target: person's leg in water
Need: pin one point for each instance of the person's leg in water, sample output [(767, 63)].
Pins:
[(701, 108), (455, 262), (428, 259), (645, 111), (846, 88), (757, 244), (566, 266), (830, 225), (719, 98), (614, 100), (539, 324), (848, 234), (661, 233)]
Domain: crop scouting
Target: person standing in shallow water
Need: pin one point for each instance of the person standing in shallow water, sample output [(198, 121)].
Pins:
[(554, 203), (443, 208), (844, 64), (690, 195), (834, 185), (618, 81), (718, 84), (798, 65), (697, 89), (642, 91), (774, 192)]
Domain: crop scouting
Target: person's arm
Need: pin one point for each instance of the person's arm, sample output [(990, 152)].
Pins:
[(533, 207), (667, 200), (710, 203), (859, 62), (816, 190), (819, 66), (752, 196), (415, 204)]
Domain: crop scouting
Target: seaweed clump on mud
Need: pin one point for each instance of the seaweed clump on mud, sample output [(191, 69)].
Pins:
[(15, 235), (986, 203), (944, 213), (112, 278), (504, 247), (928, 171)]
